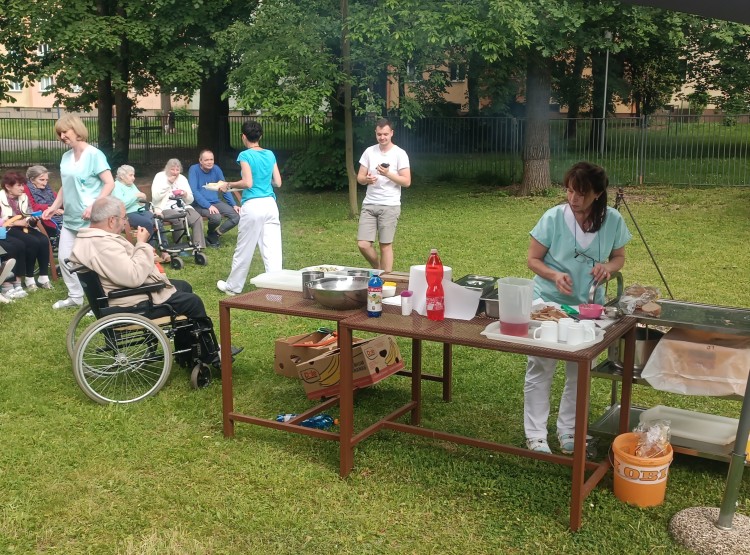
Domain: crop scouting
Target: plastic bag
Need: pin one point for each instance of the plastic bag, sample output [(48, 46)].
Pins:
[(693, 362), (653, 438), (637, 295)]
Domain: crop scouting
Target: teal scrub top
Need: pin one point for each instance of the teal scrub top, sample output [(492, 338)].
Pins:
[(81, 184), (553, 232)]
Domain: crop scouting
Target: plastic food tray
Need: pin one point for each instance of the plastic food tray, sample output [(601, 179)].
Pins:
[(695, 430), (492, 331)]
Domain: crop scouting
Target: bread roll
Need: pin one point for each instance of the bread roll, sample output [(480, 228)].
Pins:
[(651, 309)]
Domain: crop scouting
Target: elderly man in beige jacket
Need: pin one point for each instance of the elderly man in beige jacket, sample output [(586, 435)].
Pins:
[(120, 264)]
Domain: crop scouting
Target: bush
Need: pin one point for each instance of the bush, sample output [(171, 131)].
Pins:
[(320, 165)]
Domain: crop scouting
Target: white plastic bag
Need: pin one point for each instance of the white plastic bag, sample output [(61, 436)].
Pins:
[(691, 362)]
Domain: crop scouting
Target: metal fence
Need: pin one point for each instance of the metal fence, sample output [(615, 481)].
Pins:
[(677, 149)]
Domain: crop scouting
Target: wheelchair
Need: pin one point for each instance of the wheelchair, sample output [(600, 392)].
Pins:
[(124, 354), (185, 235)]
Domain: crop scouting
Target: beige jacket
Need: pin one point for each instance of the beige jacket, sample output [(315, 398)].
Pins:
[(120, 264), (6, 211)]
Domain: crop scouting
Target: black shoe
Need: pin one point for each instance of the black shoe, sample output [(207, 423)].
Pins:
[(212, 239), (216, 363)]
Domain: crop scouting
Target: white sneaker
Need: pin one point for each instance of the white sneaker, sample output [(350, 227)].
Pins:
[(6, 268), (222, 286), (19, 293), (540, 445), (31, 287), (66, 303), (4, 299), (567, 443)]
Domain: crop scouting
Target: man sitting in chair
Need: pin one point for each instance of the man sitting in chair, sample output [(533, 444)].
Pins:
[(120, 264)]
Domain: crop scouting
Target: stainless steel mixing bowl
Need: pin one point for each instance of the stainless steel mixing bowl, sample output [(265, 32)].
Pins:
[(340, 293)]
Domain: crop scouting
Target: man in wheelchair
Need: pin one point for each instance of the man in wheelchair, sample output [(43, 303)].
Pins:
[(119, 264)]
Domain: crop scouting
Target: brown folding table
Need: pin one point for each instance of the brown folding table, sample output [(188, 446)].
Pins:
[(419, 328)]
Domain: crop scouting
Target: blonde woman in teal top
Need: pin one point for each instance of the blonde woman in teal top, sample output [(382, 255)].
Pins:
[(85, 176)]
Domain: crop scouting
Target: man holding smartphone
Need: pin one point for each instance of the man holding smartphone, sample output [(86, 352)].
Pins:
[(384, 169)]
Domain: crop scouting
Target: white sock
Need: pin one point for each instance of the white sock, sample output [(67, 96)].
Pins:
[(43, 279), (29, 281)]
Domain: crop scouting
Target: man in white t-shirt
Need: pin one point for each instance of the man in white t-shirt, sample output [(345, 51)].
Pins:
[(384, 169)]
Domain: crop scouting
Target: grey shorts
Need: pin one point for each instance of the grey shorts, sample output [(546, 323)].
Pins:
[(382, 220)]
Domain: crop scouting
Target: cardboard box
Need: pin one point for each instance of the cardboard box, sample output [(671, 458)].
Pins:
[(374, 360), (287, 356)]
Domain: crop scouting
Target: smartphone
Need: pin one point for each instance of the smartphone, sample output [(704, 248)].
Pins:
[(385, 164)]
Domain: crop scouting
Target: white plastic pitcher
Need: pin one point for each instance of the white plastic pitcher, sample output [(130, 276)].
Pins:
[(515, 295)]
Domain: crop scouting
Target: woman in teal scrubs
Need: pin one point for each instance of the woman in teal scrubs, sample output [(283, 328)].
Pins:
[(573, 244)]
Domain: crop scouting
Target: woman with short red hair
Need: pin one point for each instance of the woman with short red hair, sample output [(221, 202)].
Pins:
[(21, 230)]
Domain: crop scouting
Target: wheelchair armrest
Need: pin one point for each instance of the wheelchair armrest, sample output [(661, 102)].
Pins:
[(147, 289)]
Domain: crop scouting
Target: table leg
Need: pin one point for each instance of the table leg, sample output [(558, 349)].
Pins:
[(227, 397), (579, 449), (447, 372), (416, 380), (627, 381), (346, 402)]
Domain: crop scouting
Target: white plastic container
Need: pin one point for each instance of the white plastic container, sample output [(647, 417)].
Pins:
[(695, 430)]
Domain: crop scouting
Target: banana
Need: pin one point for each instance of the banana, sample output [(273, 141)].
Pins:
[(332, 374), (391, 356)]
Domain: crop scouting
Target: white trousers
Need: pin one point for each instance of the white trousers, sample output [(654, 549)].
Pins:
[(259, 226), (64, 248), (536, 392)]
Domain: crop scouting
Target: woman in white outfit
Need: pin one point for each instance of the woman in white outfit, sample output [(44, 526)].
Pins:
[(259, 216), (86, 177), (171, 183), (571, 245)]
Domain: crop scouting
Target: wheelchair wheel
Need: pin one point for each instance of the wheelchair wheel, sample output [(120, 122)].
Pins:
[(122, 358), (177, 263), (200, 377), (80, 322), (201, 259)]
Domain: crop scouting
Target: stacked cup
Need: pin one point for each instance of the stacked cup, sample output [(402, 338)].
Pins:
[(566, 330)]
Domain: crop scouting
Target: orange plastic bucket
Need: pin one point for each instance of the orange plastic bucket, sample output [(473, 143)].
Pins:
[(639, 481)]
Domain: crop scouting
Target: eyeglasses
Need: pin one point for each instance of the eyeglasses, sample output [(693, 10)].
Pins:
[(583, 257)]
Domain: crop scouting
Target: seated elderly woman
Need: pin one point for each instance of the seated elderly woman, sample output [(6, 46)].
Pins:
[(41, 196), (131, 197), (23, 242), (169, 184)]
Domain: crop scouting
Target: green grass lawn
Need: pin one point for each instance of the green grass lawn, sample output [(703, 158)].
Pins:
[(159, 477)]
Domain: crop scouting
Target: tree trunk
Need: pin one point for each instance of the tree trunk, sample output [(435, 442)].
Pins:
[(123, 106), (473, 73), (213, 114), (574, 107), (165, 103), (348, 125), (536, 153), (598, 63), (104, 121)]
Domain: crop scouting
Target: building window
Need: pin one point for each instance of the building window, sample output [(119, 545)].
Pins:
[(46, 83), (411, 72), (457, 72), (16, 87), (42, 50)]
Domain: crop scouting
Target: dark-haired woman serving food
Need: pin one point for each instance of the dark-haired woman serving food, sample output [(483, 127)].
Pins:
[(574, 244)]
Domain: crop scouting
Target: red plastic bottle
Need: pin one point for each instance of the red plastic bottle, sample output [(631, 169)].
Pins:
[(435, 295)]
